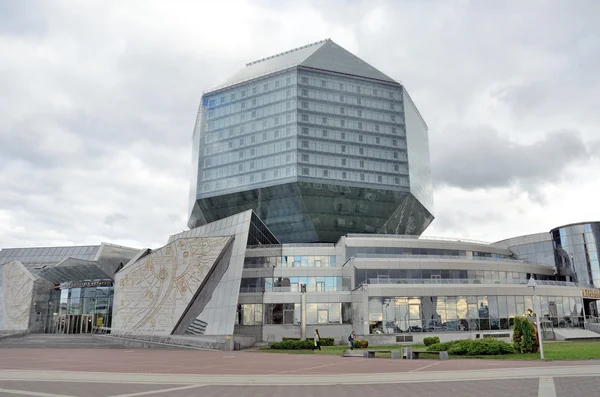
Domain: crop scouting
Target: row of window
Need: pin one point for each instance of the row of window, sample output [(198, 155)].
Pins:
[(343, 122), (361, 88), (367, 165), (290, 313), (289, 261), (314, 172), (242, 92), (326, 109), (245, 180), (354, 150), (391, 251), (227, 166), (292, 284), (463, 313), (381, 275)]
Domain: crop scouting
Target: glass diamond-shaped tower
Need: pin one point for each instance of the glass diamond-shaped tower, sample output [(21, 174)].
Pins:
[(318, 143)]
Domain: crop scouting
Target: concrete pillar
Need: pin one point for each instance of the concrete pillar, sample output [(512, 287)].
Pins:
[(303, 316)]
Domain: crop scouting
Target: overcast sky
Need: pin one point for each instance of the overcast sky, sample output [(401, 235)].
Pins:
[(98, 100)]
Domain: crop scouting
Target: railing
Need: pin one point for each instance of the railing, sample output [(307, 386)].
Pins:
[(167, 340), (443, 257), (592, 319), (423, 238), (466, 281)]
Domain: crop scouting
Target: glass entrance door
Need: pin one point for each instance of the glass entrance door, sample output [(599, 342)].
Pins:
[(87, 323)]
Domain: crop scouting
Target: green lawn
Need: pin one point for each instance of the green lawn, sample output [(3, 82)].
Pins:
[(583, 350)]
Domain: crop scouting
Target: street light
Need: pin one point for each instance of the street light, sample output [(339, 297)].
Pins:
[(533, 283)]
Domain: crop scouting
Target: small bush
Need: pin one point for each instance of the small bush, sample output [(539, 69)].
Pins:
[(293, 345), (431, 340), (474, 347), (525, 338), (361, 344), (324, 341)]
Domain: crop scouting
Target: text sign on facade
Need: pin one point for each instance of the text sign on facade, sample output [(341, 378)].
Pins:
[(591, 293), (84, 284)]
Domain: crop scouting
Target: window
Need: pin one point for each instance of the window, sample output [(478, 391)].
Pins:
[(305, 158), (392, 107), (230, 145), (276, 131), (374, 92), (341, 86), (394, 142), (391, 94), (305, 144), (341, 98), (358, 89), (254, 114), (243, 105), (288, 81), (359, 113), (288, 105), (376, 127), (358, 101), (222, 100), (361, 151), (362, 164), (277, 84), (241, 142), (360, 125), (396, 167), (233, 97), (393, 118), (263, 176), (254, 90), (395, 155), (304, 80), (264, 137), (288, 145), (252, 178), (252, 139), (305, 171), (252, 152), (305, 130), (254, 102), (266, 87), (377, 140), (343, 161), (325, 173), (344, 175), (343, 148), (241, 154), (323, 83), (362, 177), (343, 123), (243, 93), (288, 93), (379, 178), (252, 165), (342, 110), (324, 133), (305, 117), (276, 121), (324, 120), (397, 181), (343, 135), (241, 168), (394, 130), (304, 105), (275, 173), (360, 138)]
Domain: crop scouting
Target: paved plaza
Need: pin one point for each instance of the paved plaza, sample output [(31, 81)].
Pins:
[(98, 372)]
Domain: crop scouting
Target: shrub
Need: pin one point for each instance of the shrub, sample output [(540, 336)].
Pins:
[(324, 341), (474, 347), (361, 344), (293, 345), (525, 338), (286, 339), (431, 340)]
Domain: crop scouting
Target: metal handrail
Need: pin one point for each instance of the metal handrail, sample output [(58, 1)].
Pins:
[(444, 257), (425, 238), (466, 281)]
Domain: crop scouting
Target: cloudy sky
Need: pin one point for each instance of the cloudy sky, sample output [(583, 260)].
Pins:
[(98, 101)]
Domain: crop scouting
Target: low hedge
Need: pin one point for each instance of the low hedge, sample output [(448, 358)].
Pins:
[(474, 347), (324, 341), (293, 345), (361, 344), (431, 340)]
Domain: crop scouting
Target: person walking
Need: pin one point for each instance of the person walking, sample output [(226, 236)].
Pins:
[(317, 339), (351, 339)]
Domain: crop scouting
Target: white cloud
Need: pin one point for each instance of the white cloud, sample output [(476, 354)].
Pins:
[(99, 99)]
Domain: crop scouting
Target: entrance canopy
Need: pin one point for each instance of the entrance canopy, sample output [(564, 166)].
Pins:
[(72, 269)]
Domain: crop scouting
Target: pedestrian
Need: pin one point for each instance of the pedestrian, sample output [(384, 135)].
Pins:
[(317, 339), (351, 339)]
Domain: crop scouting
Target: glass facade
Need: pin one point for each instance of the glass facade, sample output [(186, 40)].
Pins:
[(576, 250), (315, 153), (290, 313), (390, 315), (541, 252), (68, 306)]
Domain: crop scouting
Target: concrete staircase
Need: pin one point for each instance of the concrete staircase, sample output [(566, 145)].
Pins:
[(575, 334), (59, 341)]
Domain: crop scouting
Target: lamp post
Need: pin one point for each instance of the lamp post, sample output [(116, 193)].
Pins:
[(303, 311), (532, 283)]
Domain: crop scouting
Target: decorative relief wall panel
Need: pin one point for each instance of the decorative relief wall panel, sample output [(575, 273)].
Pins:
[(152, 293), (15, 296)]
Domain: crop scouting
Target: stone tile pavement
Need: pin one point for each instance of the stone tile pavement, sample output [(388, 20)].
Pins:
[(577, 386)]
